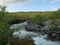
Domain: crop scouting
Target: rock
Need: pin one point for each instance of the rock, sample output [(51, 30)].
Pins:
[(32, 27), (55, 35)]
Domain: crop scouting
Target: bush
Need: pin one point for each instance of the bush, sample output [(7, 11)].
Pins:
[(39, 19), (55, 25), (4, 26)]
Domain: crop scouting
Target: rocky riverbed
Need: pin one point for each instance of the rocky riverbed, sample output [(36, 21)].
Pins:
[(34, 36), (30, 26)]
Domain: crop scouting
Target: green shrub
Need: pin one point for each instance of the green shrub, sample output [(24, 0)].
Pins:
[(39, 19), (55, 25)]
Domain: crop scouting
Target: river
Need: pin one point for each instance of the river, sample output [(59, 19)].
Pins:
[(36, 37)]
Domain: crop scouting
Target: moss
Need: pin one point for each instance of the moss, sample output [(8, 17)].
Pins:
[(13, 41)]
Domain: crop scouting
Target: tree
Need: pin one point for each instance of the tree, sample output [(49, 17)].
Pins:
[(4, 26), (3, 8), (2, 11)]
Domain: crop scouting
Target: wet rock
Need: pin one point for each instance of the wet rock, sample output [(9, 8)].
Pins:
[(54, 35), (58, 37), (32, 27)]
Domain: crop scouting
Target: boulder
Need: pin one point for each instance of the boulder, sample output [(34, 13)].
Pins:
[(32, 27)]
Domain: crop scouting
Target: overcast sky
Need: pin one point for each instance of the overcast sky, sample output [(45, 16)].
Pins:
[(30, 5)]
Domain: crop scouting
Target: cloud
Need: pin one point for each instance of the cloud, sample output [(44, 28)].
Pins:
[(54, 1), (5, 2), (51, 1), (55, 9)]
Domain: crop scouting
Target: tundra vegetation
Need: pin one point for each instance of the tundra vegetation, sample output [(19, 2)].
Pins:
[(38, 17)]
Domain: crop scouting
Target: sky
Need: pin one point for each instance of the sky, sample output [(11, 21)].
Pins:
[(30, 5)]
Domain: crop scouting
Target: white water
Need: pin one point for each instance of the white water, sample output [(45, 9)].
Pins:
[(42, 41), (38, 39)]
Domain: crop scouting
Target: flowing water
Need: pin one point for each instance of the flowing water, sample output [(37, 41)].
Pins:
[(36, 37)]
